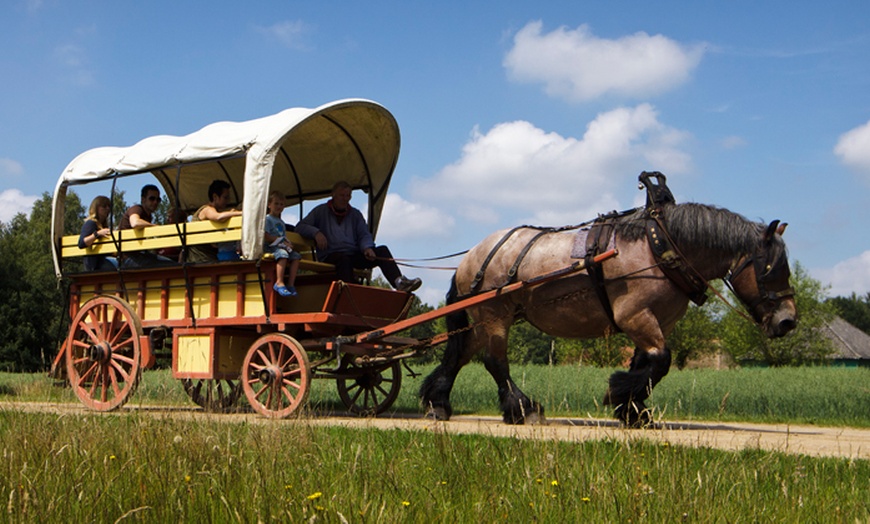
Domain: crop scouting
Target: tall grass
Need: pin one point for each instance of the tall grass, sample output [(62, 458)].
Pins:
[(805, 395), (131, 467)]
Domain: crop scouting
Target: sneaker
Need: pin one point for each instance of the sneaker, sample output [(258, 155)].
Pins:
[(292, 291), (283, 291), (408, 285)]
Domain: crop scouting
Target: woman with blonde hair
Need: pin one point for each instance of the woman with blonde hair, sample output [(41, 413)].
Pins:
[(94, 228)]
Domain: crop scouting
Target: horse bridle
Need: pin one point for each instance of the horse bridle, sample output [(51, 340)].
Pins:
[(764, 270)]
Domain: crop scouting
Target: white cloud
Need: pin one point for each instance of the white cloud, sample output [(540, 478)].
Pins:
[(849, 276), (74, 61), (577, 66), (853, 148), (544, 178), (402, 219), (290, 33), (9, 167), (12, 202), (733, 142)]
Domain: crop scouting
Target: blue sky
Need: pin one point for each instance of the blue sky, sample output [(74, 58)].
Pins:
[(511, 113)]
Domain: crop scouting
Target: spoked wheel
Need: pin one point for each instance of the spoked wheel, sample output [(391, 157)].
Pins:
[(369, 390), (104, 353), (215, 396), (276, 375)]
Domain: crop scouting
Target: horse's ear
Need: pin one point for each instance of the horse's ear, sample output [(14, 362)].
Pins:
[(771, 230), (781, 229)]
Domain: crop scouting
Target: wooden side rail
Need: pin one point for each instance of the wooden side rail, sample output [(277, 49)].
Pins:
[(197, 233)]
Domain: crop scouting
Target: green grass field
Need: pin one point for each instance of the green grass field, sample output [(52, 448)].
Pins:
[(136, 467)]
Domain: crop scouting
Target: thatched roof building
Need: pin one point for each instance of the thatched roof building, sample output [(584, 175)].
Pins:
[(851, 345)]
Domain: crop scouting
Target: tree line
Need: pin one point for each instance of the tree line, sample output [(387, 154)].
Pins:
[(34, 311)]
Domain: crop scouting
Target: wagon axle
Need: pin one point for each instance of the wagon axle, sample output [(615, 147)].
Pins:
[(100, 352), (271, 375)]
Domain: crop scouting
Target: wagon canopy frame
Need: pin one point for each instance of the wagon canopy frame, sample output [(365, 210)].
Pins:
[(300, 151)]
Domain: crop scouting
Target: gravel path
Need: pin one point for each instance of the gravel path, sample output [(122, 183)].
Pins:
[(816, 441)]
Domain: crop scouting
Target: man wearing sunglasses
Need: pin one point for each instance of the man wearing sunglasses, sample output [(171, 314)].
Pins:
[(139, 216)]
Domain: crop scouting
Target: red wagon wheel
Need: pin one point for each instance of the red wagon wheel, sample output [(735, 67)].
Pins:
[(276, 375), (216, 396), (103, 353), (369, 390)]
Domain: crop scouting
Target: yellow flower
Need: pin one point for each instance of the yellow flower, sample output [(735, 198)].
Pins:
[(112, 457), (586, 499), (288, 486), (319, 508), (554, 483), (314, 496), (187, 478), (406, 503), (539, 481)]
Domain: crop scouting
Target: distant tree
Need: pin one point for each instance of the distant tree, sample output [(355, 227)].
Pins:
[(33, 305), (853, 309), (745, 341), (695, 334), (607, 351), (528, 345)]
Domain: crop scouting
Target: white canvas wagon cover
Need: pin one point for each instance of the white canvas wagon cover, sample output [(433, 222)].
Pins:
[(299, 151)]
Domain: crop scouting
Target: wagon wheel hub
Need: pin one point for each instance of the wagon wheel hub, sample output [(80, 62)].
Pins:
[(369, 380), (271, 375), (100, 352)]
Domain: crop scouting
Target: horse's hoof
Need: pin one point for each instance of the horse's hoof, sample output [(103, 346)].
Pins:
[(437, 414)]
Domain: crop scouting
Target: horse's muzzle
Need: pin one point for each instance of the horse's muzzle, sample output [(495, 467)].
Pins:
[(781, 328)]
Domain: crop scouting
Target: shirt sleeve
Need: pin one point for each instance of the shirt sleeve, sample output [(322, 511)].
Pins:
[(310, 225), (88, 228), (364, 237)]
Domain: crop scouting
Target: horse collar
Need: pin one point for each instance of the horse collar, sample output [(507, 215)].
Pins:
[(672, 263)]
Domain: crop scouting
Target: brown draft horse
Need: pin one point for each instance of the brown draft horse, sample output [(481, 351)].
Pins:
[(644, 302)]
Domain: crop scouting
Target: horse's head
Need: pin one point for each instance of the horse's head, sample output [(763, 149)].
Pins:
[(760, 281)]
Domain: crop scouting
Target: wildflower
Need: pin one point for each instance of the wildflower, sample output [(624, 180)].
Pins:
[(586, 499), (406, 503), (554, 483), (539, 481), (112, 457), (288, 486), (319, 508), (187, 478), (314, 496)]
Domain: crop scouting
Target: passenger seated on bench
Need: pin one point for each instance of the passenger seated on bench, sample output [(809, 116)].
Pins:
[(140, 216), (94, 228), (275, 238), (343, 239), (217, 210)]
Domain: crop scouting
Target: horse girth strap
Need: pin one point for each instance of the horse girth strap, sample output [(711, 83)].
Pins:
[(596, 242), (672, 263)]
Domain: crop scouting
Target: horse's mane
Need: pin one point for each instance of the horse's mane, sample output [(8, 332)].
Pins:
[(698, 225)]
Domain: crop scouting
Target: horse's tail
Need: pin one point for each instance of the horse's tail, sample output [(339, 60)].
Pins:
[(435, 390)]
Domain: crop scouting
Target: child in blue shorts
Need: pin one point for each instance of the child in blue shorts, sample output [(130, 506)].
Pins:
[(276, 243)]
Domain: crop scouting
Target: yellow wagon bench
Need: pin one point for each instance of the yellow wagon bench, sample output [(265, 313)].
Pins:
[(228, 331)]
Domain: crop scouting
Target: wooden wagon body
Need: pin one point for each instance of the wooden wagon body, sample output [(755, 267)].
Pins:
[(227, 329)]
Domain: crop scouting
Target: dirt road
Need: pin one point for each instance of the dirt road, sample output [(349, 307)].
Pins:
[(808, 440)]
